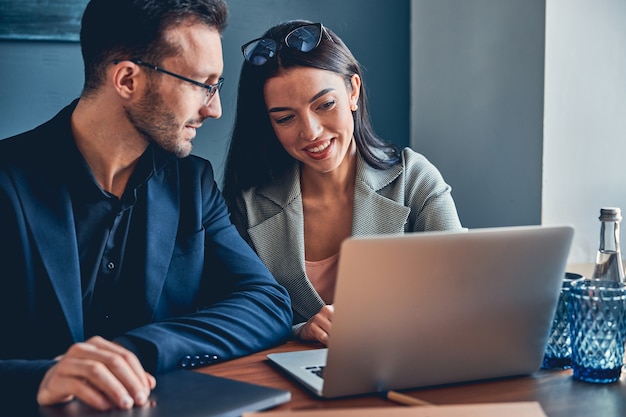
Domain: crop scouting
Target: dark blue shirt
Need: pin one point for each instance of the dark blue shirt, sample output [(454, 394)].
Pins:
[(111, 243)]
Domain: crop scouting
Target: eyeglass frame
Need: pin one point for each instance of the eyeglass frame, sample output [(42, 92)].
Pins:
[(285, 41), (212, 89)]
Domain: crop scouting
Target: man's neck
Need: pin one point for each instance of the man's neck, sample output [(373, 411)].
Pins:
[(109, 144)]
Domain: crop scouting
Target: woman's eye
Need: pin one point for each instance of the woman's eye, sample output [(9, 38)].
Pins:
[(327, 105), (283, 120)]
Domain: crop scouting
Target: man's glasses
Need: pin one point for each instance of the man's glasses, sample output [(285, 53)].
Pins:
[(304, 39), (211, 89)]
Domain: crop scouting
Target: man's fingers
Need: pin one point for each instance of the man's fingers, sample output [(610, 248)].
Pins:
[(86, 380), (95, 398), (151, 380), (102, 378), (128, 356), (100, 373), (125, 367)]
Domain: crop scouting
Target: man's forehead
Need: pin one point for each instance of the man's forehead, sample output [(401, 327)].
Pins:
[(198, 44)]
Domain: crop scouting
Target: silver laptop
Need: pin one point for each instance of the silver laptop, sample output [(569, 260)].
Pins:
[(435, 308)]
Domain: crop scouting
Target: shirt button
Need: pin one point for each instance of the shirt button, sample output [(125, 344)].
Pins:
[(111, 265)]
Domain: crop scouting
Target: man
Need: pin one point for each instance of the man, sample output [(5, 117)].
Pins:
[(120, 261)]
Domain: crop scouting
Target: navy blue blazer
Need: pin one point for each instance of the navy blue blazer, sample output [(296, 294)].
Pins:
[(207, 292)]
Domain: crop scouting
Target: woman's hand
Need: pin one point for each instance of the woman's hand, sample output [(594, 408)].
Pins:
[(101, 373), (318, 326)]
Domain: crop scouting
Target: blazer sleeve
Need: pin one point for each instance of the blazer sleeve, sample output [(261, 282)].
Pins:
[(241, 308), (428, 196)]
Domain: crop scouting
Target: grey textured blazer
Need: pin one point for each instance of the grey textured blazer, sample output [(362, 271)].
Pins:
[(410, 197)]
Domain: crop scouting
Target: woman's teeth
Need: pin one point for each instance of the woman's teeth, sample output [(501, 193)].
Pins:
[(320, 148)]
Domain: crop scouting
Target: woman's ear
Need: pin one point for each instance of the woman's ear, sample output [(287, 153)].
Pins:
[(355, 82)]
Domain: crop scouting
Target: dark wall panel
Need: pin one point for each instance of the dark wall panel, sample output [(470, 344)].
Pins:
[(37, 78)]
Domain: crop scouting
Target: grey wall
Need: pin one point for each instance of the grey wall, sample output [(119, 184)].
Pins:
[(38, 78), (585, 117), (460, 81), (477, 103)]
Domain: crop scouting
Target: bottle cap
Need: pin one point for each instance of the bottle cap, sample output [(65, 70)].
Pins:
[(610, 214)]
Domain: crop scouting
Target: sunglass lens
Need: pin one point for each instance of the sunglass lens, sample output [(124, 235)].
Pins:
[(305, 38), (260, 51)]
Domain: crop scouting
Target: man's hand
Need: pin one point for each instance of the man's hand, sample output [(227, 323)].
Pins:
[(98, 372), (318, 326)]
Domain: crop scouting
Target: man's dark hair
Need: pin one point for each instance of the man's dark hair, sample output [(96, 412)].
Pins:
[(134, 29)]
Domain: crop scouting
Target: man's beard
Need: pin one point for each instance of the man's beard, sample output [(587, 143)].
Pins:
[(157, 124)]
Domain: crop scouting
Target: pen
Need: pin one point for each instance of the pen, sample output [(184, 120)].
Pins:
[(405, 399)]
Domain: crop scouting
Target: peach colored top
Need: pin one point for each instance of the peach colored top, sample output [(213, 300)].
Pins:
[(323, 275)]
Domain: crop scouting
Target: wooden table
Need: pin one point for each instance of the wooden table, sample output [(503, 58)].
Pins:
[(557, 392)]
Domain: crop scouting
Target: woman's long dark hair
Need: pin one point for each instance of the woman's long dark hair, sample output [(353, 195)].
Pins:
[(255, 156)]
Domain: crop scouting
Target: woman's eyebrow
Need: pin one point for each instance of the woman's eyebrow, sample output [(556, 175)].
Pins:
[(320, 94), (315, 97), (278, 109)]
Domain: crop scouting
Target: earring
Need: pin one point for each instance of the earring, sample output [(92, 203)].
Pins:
[(354, 106)]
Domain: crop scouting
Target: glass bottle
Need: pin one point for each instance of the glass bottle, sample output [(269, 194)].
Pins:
[(609, 260)]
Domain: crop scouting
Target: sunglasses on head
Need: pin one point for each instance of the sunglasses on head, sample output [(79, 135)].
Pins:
[(304, 38)]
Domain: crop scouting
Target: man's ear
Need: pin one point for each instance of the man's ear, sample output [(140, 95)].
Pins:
[(127, 77)]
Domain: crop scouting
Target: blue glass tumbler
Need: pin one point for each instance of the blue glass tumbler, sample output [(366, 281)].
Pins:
[(597, 314), (558, 354)]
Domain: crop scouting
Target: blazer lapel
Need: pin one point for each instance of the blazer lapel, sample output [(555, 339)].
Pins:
[(52, 209), (288, 224), (163, 203), (373, 213)]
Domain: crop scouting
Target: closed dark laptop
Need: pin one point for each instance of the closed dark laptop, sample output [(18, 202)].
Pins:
[(188, 394)]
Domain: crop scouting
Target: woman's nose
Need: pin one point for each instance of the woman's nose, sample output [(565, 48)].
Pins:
[(311, 128)]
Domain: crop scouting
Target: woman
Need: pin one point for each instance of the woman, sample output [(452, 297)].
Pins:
[(305, 169)]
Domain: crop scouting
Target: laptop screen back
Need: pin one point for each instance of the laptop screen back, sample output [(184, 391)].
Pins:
[(441, 307)]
